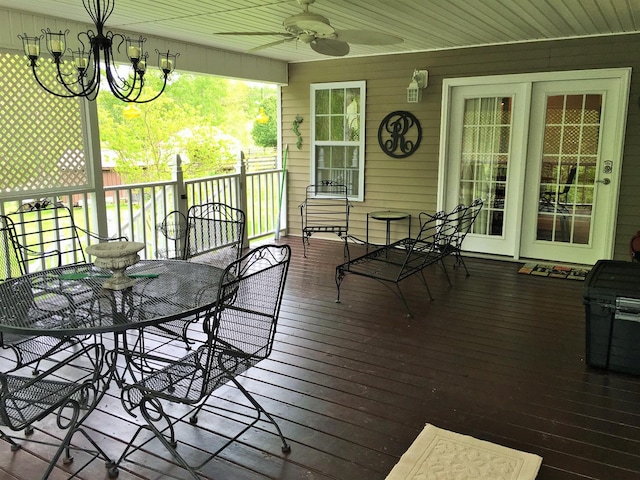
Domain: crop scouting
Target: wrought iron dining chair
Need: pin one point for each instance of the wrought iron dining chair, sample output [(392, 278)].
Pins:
[(214, 234), (240, 331), (47, 236), (26, 400), (173, 228), (23, 303)]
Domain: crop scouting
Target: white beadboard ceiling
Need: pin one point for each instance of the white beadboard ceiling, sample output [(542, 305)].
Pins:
[(423, 24)]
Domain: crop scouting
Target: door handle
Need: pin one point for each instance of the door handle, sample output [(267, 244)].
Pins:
[(606, 181)]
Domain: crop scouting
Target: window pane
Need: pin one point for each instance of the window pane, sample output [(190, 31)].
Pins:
[(337, 102), (485, 155), (322, 128), (337, 128), (322, 101), (352, 118)]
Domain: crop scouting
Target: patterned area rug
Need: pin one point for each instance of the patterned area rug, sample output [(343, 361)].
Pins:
[(439, 454), (555, 271)]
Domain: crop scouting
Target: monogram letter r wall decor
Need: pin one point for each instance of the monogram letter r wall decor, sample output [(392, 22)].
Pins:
[(399, 134)]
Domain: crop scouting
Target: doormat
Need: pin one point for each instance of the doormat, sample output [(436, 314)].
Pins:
[(441, 454), (555, 271)]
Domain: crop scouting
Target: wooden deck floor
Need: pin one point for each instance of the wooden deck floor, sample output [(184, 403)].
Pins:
[(499, 356)]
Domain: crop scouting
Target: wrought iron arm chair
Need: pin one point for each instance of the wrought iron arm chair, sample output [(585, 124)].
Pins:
[(325, 210), (48, 235), (22, 302), (214, 234), (26, 400), (174, 228), (240, 333)]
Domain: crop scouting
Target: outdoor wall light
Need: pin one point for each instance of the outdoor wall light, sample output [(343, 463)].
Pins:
[(417, 84), (80, 77)]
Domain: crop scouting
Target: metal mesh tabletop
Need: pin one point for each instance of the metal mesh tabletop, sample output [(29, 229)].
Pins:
[(71, 300)]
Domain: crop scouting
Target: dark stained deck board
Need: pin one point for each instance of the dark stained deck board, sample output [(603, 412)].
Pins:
[(498, 355)]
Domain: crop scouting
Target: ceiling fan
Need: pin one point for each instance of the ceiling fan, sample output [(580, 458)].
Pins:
[(317, 32)]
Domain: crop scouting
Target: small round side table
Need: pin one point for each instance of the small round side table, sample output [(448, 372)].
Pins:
[(388, 216)]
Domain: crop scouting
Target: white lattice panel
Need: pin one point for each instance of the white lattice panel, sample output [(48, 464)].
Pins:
[(41, 147)]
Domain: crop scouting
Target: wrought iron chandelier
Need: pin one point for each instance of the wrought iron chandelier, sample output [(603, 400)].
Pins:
[(82, 77)]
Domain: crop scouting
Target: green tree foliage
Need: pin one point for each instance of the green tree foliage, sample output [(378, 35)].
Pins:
[(206, 119), (208, 151), (266, 134)]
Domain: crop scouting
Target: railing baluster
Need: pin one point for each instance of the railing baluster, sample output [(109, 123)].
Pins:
[(254, 192)]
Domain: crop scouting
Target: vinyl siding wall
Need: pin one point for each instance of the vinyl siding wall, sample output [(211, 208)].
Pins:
[(410, 184)]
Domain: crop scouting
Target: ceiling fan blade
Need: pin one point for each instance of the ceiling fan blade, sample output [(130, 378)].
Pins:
[(285, 34), (272, 44), (329, 46), (367, 37)]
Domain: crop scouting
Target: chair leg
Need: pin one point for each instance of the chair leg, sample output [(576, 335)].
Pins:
[(14, 445), (286, 448), (426, 285), (460, 261), (339, 277), (193, 419), (404, 300), (74, 426), (444, 267), (153, 412)]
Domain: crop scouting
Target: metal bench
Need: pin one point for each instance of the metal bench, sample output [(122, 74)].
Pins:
[(325, 210)]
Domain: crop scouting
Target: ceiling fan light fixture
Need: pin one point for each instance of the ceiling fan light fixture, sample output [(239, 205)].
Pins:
[(307, 21), (306, 37)]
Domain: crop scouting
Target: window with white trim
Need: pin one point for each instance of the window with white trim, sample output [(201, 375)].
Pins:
[(337, 135)]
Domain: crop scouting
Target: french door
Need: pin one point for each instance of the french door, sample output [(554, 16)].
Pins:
[(544, 153)]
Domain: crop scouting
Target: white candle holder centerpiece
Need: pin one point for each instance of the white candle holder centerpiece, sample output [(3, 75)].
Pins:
[(117, 257)]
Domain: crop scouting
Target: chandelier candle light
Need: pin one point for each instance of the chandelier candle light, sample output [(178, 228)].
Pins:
[(82, 78)]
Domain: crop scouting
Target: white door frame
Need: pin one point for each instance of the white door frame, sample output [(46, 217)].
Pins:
[(622, 74)]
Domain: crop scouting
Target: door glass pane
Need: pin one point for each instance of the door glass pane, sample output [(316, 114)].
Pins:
[(486, 139), (567, 176)]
